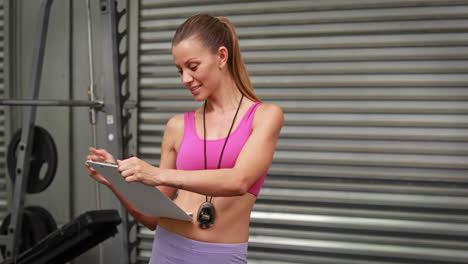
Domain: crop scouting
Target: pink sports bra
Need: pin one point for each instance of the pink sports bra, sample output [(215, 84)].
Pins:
[(190, 156)]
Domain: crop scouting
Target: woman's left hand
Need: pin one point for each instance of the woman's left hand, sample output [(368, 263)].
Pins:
[(136, 170)]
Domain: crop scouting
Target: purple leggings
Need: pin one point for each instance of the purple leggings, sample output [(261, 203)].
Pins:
[(170, 248)]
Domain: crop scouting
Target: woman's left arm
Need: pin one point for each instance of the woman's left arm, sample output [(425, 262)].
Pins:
[(252, 163)]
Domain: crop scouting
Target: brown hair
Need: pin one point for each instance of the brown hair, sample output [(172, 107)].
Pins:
[(214, 33)]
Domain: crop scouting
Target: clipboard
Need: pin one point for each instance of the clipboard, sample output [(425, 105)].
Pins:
[(149, 200)]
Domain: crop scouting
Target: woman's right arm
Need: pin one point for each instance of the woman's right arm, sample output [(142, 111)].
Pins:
[(172, 135)]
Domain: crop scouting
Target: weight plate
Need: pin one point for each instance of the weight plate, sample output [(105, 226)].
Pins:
[(3, 232), (43, 160), (28, 232), (37, 223), (26, 237), (43, 221)]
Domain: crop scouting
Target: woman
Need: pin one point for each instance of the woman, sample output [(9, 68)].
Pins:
[(216, 157)]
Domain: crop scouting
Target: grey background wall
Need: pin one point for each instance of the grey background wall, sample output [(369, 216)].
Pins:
[(372, 163), (3, 113)]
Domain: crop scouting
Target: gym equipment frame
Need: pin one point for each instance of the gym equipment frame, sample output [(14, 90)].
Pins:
[(115, 106)]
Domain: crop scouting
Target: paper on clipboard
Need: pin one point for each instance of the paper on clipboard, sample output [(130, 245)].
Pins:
[(147, 199)]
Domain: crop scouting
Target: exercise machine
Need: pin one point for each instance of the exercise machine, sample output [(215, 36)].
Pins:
[(115, 106)]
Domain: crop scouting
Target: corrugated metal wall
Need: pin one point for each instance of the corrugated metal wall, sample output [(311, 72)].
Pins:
[(3, 144), (372, 163)]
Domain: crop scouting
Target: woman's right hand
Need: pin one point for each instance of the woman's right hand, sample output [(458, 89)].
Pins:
[(100, 155)]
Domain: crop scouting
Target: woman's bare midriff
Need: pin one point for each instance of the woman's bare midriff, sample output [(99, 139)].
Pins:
[(231, 224)]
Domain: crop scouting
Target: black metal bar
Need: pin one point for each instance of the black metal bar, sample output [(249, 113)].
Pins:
[(25, 145), (71, 103)]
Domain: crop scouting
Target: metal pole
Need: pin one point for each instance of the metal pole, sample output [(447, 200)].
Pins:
[(25, 145), (91, 96), (31, 102), (96, 104), (92, 112)]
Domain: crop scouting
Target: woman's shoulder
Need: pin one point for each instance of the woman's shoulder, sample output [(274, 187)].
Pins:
[(175, 123), (269, 114), (270, 110)]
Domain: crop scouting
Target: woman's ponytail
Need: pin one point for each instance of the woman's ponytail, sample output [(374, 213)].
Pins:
[(237, 66)]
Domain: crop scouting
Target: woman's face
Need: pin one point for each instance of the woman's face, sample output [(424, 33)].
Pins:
[(200, 70)]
